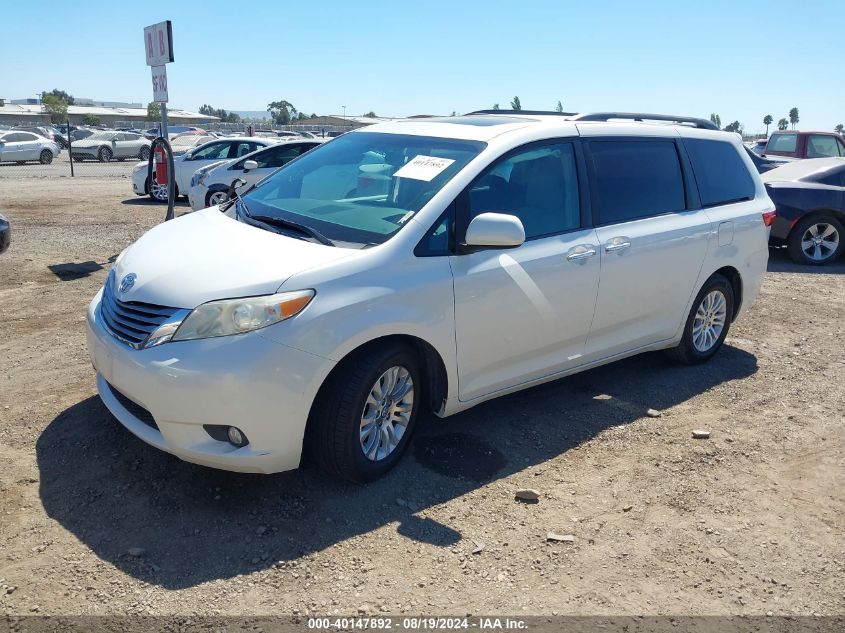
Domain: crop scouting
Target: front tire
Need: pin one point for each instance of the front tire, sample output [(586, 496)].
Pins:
[(707, 324), (816, 240), (365, 414), (45, 157), (144, 154), (218, 196), (104, 155)]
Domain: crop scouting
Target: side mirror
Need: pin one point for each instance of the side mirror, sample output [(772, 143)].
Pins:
[(495, 230), (250, 165)]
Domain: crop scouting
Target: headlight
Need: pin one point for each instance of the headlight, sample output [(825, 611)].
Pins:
[(198, 178), (235, 316)]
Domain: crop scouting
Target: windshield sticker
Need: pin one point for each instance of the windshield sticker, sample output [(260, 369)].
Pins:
[(423, 168)]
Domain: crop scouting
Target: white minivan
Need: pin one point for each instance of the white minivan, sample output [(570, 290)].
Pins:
[(425, 264)]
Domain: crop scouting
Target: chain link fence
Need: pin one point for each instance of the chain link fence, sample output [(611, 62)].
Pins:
[(110, 152)]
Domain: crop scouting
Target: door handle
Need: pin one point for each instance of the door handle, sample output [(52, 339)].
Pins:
[(616, 244), (577, 255)]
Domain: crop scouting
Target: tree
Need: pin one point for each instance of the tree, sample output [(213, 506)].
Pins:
[(559, 107), (371, 115), (153, 111), (793, 117), (281, 111), (515, 104), (90, 119), (736, 126), (61, 94), (767, 121), (839, 127), (225, 117), (496, 106), (715, 118), (55, 106), (783, 124)]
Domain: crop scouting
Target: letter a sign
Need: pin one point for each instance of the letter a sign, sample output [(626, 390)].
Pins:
[(158, 42)]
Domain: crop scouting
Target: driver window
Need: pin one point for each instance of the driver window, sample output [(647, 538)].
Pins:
[(215, 151), (539, 185)]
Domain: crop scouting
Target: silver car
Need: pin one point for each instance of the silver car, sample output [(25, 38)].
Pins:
[(21, 147), (106, 145)]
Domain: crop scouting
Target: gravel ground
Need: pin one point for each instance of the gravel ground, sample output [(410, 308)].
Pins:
[(749, 521), (60, 168)]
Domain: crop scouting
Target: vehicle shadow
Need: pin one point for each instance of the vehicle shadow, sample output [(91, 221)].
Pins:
[(194, 524), (780, 262)]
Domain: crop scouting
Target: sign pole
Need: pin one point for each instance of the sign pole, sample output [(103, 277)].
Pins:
[(164, 120)]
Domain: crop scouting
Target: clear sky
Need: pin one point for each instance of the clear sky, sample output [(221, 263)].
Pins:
[(742, 59)]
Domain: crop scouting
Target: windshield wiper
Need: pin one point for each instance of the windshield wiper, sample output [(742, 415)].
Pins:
[(288, 224)]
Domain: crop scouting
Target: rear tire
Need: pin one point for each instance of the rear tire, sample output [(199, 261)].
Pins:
[(144, 154), (816, 240), (707, 324), (346, 406)]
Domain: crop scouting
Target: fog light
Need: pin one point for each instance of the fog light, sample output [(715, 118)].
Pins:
[(236, 437), (225, 433)]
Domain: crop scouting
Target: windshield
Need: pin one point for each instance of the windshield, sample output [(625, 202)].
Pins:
[(362, 187), (102, 136)]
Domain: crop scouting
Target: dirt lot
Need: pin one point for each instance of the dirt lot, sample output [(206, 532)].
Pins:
[(93, 521)]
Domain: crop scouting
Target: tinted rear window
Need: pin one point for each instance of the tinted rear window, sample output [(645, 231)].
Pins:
[(720, 172), (636, 179), (782, 143)]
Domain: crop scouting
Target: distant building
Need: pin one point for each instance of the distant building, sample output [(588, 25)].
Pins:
[(14, 112)]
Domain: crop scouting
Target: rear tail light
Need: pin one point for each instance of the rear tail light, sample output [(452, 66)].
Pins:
[(769, 217)]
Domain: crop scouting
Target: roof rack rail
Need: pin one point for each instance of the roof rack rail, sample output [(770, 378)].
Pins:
[(703, 124), (528, 112)]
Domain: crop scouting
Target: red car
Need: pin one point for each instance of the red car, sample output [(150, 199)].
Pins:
[(805, 145)]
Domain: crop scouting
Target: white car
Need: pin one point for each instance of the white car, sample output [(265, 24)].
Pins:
[(22, 147), (108, 144), (185, 163), (424, 264), (210, 185)]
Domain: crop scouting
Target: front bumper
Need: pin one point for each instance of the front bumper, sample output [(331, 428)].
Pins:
[(262, 387), (196, 197), (139, 181)]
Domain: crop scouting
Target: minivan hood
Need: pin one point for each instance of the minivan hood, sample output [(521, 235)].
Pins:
[(207, 255)]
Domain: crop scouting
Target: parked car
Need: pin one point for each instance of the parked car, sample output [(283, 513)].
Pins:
[(188, 162), (5, 234), (210, 185), (763, 164), (418, 265), (104, 146), (22, 147), (758, 146), (40, 130), (81, 133), (794, 144), (174, 130), (810, 200)]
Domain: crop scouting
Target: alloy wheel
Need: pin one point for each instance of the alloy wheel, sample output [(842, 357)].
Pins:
[(820, 241), (709, 321), (387, 413), (218, 197)]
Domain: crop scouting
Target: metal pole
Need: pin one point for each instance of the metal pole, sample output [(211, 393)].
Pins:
[(164, 121), (69, 147)]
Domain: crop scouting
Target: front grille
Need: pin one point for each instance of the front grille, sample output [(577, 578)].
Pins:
[(134, 408), (131, 321)]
